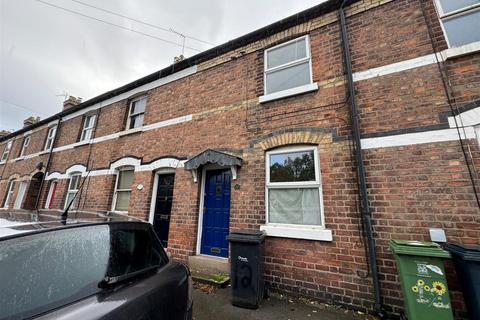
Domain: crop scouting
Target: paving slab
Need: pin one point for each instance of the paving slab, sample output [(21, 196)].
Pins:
[(215, 304)]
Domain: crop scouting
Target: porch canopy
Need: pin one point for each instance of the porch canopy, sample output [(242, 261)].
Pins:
[(211, 156)]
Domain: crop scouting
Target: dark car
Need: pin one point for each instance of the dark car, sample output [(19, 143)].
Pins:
[(107, 270)]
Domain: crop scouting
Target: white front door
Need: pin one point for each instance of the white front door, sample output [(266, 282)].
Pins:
[(20, 195)]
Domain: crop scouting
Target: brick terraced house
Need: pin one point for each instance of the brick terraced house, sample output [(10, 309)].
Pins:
[(333, 130)]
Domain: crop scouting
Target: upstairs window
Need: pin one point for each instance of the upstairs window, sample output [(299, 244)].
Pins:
[(73, 186), (123, 190), (6, 151), (288, 66), (136, 112), (88, 125), (460, 20), (50, 137), (293, 188), (26, 141)]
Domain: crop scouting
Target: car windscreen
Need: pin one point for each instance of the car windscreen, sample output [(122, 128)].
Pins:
[(41, 272)]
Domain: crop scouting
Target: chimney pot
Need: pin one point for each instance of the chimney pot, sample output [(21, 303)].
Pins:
[(30, 120), (4, 133), (71, 102)]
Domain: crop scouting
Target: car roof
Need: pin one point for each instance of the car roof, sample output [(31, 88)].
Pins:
[(14, 223)]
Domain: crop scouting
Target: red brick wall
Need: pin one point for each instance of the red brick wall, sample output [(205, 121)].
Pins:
[(411, 188)]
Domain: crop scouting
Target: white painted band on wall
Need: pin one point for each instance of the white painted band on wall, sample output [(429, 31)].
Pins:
[(466, 119), (416, 62), (417, 138), (127, 161), (149, 127), (394, 67)]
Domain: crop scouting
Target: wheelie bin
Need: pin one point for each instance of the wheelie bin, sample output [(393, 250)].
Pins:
[(422, 278), (467, 264), (246, 247)]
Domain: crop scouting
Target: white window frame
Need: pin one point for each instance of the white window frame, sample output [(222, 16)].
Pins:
[(6, 151), (477, 133), (129, 117), (72, 191), (291, 91), (52, 131), (116, 190), (87, 130), (26, 142), (457, 13), (9, 194), (299, 231)]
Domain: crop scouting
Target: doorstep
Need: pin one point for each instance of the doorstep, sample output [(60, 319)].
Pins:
[(209, 265), (217, 279)]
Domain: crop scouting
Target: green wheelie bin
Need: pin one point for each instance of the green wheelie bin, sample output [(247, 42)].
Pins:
[(422, 278)]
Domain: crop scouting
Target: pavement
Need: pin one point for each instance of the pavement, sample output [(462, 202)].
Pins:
[(215, 304)]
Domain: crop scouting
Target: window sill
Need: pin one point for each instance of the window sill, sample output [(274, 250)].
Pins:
[(18, 159), (130, 131), (289, 92), (313, 233), (3, 162), (44, 152), (81, 143), (456, 52)]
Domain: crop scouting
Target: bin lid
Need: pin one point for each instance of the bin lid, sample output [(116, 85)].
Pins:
[(418, 248), (470, 252), (249, 236)]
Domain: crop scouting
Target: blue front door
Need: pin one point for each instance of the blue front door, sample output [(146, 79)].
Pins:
[(216, 213)]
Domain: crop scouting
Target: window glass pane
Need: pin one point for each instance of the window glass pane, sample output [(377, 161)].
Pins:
[(123, 199), (136, 121), (463, 29), (86, 134), (125, 179), (452, 5), (287, 53), (91, 121), (44, 271), (294, 206), (70, 198), (138, 106), (292, 166), (51, 132), (74, 182), (291, 77)]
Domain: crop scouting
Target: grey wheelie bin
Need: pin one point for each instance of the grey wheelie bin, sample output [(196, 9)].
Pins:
[(247, 267)]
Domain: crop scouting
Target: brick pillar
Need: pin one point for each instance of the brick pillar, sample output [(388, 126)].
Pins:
[(184, 217)]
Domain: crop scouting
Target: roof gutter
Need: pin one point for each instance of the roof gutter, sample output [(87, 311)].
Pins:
[(365, 208)]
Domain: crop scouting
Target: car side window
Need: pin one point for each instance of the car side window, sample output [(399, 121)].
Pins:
[(133, 250)]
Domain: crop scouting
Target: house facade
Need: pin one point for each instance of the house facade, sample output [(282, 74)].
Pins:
[(259, 133)]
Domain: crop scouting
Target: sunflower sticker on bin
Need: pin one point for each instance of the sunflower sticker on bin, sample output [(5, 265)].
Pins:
[(431, 294)]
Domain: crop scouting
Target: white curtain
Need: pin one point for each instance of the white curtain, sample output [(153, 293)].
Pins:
[(294, 206)]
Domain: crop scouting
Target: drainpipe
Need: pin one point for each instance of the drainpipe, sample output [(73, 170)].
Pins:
[(47, 167), (365, 208)]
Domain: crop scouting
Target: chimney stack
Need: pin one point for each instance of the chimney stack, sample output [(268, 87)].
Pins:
[(4, 133), (71, 102), (30, 120)]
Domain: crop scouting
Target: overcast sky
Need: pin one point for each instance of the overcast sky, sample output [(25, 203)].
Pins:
[(46, 51)]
